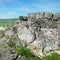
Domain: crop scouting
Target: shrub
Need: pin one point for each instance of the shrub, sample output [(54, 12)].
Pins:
[(22, 50)]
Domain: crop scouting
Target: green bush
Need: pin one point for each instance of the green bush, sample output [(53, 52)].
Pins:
[(22, 50)]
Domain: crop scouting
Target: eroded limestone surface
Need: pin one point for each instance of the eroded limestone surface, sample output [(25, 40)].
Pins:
[(40, 32)]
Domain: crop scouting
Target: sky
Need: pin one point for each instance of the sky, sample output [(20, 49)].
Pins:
[(16, 8)]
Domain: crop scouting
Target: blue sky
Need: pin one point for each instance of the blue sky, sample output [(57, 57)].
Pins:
[(16, 8)]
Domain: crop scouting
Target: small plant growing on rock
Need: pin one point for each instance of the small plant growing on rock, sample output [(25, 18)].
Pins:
[(22, 50)]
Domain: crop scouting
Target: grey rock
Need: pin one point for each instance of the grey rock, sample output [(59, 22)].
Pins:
[(26, 35), (39, 31), (22, 18), (32, 15), (48, 15), (41, 34), (7, 55), (56, 16)]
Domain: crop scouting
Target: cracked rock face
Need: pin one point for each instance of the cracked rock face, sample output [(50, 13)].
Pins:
[(26, 35), (40, 34)]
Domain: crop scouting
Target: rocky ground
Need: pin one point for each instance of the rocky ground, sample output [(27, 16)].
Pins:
[(38, 31)]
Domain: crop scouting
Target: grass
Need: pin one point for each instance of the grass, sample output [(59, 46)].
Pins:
[(4, 22), (22, 50), (53, 56)]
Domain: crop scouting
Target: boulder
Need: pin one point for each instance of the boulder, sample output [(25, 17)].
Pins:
[(48, 15), (26, 35), (23, 18), (40, 34), (56, 16), (7, 55), (32, 15)]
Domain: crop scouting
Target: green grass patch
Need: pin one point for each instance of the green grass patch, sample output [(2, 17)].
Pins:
[(4, 22), (22, 50), (53, 56)]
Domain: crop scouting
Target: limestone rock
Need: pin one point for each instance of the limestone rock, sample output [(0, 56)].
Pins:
[(40, 33), (26, 35), (7, 55), (48, 15), (9, 30), (56, 16), (32, 15), (39, 15)]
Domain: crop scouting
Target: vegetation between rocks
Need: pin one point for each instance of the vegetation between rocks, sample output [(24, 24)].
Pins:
[(22, 50), (28, 55)]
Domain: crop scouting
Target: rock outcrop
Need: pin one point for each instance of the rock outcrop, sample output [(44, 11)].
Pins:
[(40, 31)]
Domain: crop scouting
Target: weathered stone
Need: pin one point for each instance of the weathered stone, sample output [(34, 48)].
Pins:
[(36, 26), (39, 31), (22, 18), (37, 15), (48, 15), (32, 15), (40, 34), (27, 35), (56, 16), (7, 55), (9, 30), (41, 14)]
